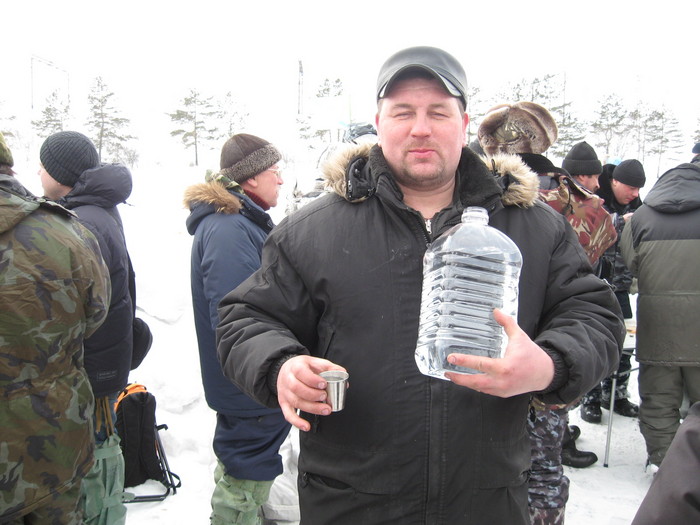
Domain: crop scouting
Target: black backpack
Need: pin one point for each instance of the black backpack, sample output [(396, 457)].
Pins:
[(144, 456)]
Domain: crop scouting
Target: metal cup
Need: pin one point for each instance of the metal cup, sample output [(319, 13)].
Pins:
[(336, 384)]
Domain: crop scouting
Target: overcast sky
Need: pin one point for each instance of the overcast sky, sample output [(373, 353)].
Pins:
[(150, 52)]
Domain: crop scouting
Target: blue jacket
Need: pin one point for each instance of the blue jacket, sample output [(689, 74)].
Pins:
[(229, 230), (94, 199)]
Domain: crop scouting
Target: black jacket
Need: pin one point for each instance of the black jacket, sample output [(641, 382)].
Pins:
[(94, 199), (341, 279)]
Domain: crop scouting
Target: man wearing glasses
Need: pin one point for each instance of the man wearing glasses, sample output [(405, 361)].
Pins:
[(229, 222)]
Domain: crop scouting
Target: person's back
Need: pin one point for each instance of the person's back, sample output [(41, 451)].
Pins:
[(54, 292), (661, 245)]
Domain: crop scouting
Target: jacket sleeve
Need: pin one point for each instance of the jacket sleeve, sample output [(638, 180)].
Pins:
[(580, 325), (270, 316), (629, 254)]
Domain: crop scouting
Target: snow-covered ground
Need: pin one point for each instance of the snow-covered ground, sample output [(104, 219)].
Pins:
[(159, 246)]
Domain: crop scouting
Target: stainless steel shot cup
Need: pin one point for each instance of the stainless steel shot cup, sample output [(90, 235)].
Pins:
[(336, 385)]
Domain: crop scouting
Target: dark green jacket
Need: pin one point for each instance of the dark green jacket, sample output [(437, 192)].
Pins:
[(661, 246)]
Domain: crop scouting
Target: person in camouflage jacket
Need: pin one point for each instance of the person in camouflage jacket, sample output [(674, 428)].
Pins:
[(54, 292)]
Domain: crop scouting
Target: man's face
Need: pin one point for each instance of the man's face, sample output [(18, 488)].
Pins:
[(590, 182), (421, 130), (624, 194), (265, 186)]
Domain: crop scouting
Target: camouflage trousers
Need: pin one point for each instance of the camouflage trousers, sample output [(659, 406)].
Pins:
[(237, 501), (548, 488), (63, 509)]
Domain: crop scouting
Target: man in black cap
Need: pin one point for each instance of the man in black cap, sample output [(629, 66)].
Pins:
[(696, 153), (583, 165), (72, 175), (619, 188), (340, 288)]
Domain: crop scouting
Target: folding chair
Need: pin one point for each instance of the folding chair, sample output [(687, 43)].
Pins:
[(628, 349)]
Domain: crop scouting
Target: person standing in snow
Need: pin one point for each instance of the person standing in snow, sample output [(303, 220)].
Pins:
[(229, 221), (340, 288), (661, 246), (72, 175), (619, 189), (54, 293), (515, 137)]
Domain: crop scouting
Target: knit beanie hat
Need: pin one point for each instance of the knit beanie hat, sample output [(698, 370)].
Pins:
[(66, 155), (245, 156), (523, 127), (582, 160), (696, 148), (630, 172), (5, 153)]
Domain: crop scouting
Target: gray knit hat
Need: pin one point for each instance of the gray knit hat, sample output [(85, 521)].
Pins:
[(245, 156), (582, 160), (66, 155), (5, 153), (630, 172)]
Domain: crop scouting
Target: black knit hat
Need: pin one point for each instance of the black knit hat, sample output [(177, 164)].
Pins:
[(630, 172), (245, 156), (437, 62), (66, 155), (696, 148), (582, 160), (5, 153)]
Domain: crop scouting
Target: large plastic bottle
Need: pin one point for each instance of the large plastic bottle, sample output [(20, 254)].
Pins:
[(467, 272)]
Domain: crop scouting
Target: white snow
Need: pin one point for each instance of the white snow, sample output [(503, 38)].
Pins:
[(159, 245)]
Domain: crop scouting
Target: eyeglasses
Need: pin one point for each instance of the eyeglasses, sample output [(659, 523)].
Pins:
[(276, 171)]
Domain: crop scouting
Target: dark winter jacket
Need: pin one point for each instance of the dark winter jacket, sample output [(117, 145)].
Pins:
[(94, 199), (229, 230), (674, 495), (661, 245), (341, 279), (54, 291), (612, 266)]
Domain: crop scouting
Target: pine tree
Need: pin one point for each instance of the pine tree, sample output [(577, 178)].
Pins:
[(54, 116), (663, 135), (233, 120), (105, 122), (197, 121), (609, 125), (696, 137)]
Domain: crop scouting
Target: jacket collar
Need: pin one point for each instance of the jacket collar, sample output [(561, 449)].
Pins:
[(356, 172)]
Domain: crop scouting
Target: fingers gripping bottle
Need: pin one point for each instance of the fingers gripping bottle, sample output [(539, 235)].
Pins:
[(467, 272)]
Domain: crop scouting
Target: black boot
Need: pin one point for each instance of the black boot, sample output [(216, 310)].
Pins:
[(574, 431), (590, 411), (626, 408), (572, 457)]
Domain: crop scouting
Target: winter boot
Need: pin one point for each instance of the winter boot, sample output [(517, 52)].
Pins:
[(590, 411), (575, 432), (572, 457), (626, 408)]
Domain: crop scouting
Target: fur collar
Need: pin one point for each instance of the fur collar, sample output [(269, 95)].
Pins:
[(344, 174), (213, 194)]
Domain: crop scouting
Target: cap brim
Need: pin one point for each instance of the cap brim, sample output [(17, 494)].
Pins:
[(447, 84)]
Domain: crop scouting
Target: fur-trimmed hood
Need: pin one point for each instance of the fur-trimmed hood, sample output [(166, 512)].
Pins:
[(207, 198), (345, 174), (212, 194)]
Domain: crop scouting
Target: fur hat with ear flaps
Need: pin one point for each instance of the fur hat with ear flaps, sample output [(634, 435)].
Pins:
[(523, 127)]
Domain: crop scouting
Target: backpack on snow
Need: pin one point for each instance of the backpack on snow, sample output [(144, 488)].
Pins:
[(144, 456)]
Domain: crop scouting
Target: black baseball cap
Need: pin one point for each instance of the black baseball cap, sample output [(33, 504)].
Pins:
[(437, 62)]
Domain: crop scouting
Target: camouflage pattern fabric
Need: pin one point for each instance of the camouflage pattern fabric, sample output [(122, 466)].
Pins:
[(54, 291), (548, 486), (584, 211)]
